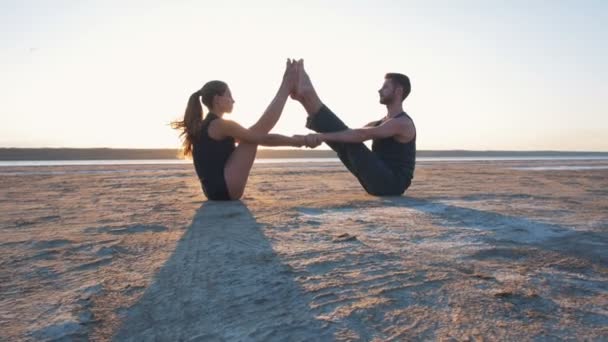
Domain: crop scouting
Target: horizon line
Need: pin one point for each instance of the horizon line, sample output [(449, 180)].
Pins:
[(293, 149)]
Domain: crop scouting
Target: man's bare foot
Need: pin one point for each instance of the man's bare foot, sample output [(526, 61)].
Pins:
[(303, 85)]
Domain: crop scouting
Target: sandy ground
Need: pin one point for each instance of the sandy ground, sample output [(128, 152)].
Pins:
[(473, 250)]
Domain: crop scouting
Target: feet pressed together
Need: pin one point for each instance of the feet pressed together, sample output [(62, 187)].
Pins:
[(301, 89)]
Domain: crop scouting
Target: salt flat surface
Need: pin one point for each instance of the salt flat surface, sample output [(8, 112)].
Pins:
[(480, 249)]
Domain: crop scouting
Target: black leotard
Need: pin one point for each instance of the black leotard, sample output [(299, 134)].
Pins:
[(210, 157)]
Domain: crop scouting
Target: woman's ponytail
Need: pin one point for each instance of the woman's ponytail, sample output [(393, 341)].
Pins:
[(191, 125)]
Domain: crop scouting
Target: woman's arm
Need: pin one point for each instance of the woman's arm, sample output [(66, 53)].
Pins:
[(282, 140), (229, 128)]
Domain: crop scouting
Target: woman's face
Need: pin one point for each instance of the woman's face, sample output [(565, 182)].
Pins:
[(224, 103)]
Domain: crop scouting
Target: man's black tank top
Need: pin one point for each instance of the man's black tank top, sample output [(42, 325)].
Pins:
[(210, 155), (400, 157)]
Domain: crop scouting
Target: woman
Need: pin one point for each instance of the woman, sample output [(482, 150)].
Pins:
[(222, 167)]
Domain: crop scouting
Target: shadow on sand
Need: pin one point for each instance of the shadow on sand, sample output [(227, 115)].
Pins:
[(514, 230), (223, 282)]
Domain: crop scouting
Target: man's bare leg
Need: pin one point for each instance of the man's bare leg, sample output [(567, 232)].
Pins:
[(304, 91), (320, 118)]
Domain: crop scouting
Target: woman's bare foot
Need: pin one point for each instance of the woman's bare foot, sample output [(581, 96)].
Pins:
[(290, 76)]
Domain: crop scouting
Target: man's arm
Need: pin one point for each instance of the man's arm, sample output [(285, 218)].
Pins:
[(388, 129)]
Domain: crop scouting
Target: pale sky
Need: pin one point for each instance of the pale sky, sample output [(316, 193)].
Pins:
[(486, 75)]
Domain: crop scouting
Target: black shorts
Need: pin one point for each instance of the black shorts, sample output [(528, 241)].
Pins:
[(215, 188)]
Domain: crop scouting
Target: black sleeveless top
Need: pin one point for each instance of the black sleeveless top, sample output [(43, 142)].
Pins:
[(210, 157), (399, 157)]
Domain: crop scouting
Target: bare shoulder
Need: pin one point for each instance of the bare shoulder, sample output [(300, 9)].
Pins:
[(224, 124), (405, 118), (407, 129), (219, 127), (406, 121)]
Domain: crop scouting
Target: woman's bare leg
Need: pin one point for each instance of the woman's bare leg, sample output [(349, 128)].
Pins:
[(238, 166)]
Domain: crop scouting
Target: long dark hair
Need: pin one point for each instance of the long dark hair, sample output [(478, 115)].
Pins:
[(193, 116)]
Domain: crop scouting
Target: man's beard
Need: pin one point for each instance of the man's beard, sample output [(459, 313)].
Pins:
[(386, 99)]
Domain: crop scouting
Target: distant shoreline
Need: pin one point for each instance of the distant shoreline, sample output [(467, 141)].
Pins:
[(17, 154)]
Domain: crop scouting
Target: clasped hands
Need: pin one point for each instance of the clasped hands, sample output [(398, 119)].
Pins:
[(311, 140)]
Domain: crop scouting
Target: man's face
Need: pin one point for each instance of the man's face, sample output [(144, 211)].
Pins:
[(387, 92)]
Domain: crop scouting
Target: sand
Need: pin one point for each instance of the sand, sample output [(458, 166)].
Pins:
[(475, 250)]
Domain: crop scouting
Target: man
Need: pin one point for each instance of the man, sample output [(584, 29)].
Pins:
[(386, 170)]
